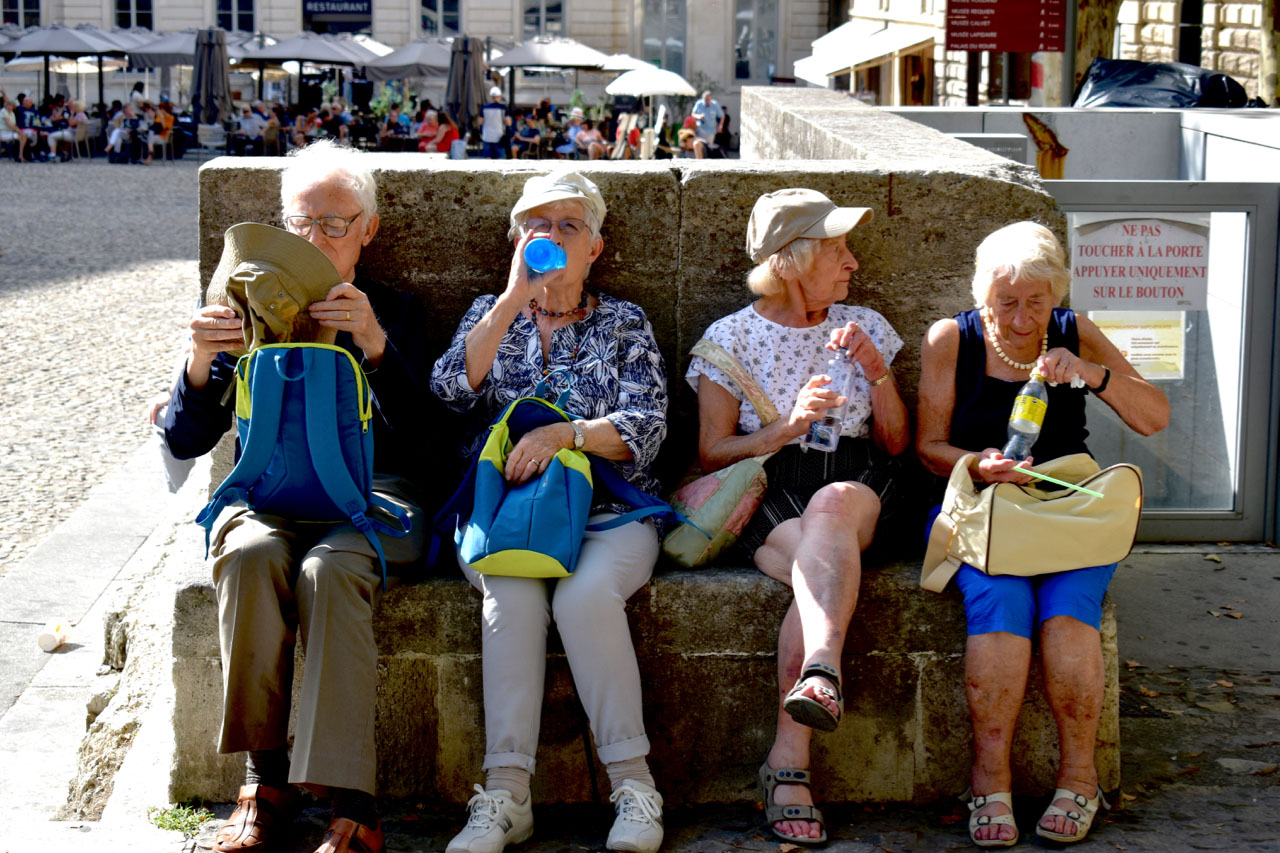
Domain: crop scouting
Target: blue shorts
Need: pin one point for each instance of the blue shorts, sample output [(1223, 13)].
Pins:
[(1019, 604)]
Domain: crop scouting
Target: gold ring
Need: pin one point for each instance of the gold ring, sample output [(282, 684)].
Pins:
[(348, 315)]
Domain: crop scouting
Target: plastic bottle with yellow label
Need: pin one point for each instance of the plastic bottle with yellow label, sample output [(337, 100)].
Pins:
[(1027, 418)]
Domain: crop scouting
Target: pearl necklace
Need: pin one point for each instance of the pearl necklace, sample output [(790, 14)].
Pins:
[(995, 342)]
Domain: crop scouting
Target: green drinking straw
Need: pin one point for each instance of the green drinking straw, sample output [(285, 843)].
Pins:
[(1060, 482)]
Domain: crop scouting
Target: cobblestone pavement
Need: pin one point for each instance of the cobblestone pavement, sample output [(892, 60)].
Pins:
[(97, 276)]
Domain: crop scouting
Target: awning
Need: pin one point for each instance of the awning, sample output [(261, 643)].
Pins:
[(858, 43)]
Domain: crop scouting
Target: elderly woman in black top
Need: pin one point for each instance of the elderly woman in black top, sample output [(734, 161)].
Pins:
[(972, 368)]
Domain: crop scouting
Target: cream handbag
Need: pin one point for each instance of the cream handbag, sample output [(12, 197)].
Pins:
[(1007, 529)]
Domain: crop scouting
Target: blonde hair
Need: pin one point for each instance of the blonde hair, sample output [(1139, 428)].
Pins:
[(1023, 251), (790, 262), (322, 161)]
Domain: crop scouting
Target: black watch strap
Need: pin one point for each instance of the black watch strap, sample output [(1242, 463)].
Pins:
[(1106, 378)]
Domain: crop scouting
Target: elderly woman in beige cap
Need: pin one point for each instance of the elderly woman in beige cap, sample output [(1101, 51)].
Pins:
[(506, 344), (821, 509)]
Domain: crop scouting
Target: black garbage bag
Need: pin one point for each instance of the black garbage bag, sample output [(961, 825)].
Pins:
[(1129, 83)]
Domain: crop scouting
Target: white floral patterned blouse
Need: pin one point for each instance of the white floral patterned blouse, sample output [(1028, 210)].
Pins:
[(782, 358)]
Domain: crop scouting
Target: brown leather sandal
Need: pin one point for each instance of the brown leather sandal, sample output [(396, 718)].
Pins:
[(346, 836), (251, 826)]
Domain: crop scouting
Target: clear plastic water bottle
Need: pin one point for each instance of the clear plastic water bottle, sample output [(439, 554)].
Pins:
[(824, 433), (542, 255), (1027, 418)]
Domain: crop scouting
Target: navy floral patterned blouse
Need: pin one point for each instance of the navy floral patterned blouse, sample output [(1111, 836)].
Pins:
[(617, 370)]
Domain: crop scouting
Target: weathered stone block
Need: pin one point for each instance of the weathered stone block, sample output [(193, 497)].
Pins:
[(905, 736)]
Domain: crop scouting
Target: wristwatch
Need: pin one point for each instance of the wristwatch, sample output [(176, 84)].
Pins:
[(579, 437)]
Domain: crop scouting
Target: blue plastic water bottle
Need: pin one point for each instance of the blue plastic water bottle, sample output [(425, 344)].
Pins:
[(543, 256)]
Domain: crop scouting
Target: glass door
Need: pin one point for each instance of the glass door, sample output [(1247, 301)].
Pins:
[(1181, 277)]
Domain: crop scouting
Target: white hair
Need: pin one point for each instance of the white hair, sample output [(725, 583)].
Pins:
[(1023, 251), (323, 161), (787, 264)]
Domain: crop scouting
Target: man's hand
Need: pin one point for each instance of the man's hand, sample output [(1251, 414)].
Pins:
[(214, 329), (347, 309)]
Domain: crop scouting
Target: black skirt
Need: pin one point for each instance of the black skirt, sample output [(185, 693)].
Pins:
[(795, 475)]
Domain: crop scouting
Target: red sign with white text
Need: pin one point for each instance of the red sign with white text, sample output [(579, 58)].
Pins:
[(1006, 26)]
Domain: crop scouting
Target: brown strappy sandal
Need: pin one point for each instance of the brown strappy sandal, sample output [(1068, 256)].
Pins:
[(346, 836), (251, 826)]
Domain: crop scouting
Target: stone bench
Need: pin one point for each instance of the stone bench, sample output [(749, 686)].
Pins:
[(706, 643), (706, 640)]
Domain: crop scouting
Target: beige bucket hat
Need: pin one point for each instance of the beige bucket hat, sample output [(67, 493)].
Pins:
[(784, 215), (269, 276)]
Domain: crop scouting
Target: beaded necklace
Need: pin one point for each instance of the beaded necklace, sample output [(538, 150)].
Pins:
[(995, 342), (580, 311)]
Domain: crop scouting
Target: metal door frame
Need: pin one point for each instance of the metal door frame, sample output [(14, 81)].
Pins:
[(1254, 518)]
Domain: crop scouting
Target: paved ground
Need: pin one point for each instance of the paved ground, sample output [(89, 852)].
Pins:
[(97, 277)]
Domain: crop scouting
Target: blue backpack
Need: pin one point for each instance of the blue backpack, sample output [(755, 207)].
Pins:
[(534, 529), (303, 415)]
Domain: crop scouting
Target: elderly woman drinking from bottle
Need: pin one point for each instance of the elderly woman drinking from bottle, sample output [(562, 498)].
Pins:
[(820, 510), (505, 346), (972, 368)]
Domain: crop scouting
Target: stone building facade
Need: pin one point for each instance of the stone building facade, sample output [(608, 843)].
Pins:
[(1230, 36), (722, 45), (890, 47)]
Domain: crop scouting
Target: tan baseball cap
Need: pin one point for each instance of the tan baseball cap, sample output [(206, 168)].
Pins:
[(269, 276), (782, 216), (558, 186)]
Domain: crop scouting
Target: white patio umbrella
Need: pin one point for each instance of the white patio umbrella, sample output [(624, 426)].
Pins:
[(649, 81), (623, 62), (548, 52)]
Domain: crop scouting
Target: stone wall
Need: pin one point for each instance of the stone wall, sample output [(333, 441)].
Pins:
[(674, 236)]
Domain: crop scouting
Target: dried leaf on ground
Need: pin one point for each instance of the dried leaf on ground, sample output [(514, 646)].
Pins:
[(787, 848), (1193, 754), (1187, 771), (1262, 745), (1266, 771), (1150, 694), (1128, 798), (1222, 682), (1132, 664), (1221, 707), (1213, 613), (1214, 557), (1226, 607), (1236, 615)]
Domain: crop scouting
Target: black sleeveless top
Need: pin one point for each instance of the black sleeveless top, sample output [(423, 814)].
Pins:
[(981, 415)]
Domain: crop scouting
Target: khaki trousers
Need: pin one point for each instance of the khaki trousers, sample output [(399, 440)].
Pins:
[(589, 607), (273, 575)]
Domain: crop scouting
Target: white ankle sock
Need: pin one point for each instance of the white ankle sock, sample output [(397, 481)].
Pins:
[(632, 768), (513, 779)]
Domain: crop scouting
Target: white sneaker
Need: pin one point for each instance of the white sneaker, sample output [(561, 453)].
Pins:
[(638, 826), (496, 820)]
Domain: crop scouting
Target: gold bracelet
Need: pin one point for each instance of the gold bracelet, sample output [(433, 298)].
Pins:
[(883, 379)]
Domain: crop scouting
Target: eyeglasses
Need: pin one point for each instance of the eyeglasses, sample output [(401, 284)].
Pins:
[(332, 225), (570, 227)]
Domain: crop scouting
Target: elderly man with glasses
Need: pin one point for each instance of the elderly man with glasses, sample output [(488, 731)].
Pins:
[(274, 576)]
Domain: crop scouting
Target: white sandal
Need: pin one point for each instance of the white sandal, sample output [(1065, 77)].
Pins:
[(1082, 816), (977, 821)]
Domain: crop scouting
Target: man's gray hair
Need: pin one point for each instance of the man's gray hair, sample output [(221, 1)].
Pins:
[(323, 161)]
